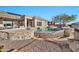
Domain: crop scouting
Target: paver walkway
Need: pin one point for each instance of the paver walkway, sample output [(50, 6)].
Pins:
[(33, 45)]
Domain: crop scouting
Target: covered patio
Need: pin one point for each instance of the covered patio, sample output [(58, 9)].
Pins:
[(8, 20)]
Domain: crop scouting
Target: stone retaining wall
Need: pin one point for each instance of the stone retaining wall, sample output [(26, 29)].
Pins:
[(19, 34), (23, 34), (74, 45), (69, 32), (76, 35), (56, 34)]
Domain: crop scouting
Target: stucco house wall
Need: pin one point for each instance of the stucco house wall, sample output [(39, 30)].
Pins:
[(44, 23)]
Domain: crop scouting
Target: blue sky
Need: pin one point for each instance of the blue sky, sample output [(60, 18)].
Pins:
[(46, 12)]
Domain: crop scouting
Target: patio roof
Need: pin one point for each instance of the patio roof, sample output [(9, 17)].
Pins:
[(7, 15), (35, 17), (40, 18)]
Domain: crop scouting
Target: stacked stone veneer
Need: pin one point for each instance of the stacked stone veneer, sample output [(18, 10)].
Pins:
[(20, 34), (74, 43), (69, 32), (56, 34), (4, 35), (73, 38), (23, 34)]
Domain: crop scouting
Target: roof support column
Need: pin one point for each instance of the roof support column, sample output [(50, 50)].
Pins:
[(12, 24), (25, 22), (35, 22)]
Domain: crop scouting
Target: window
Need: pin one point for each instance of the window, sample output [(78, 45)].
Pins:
[(7, 24), (39, 23)]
